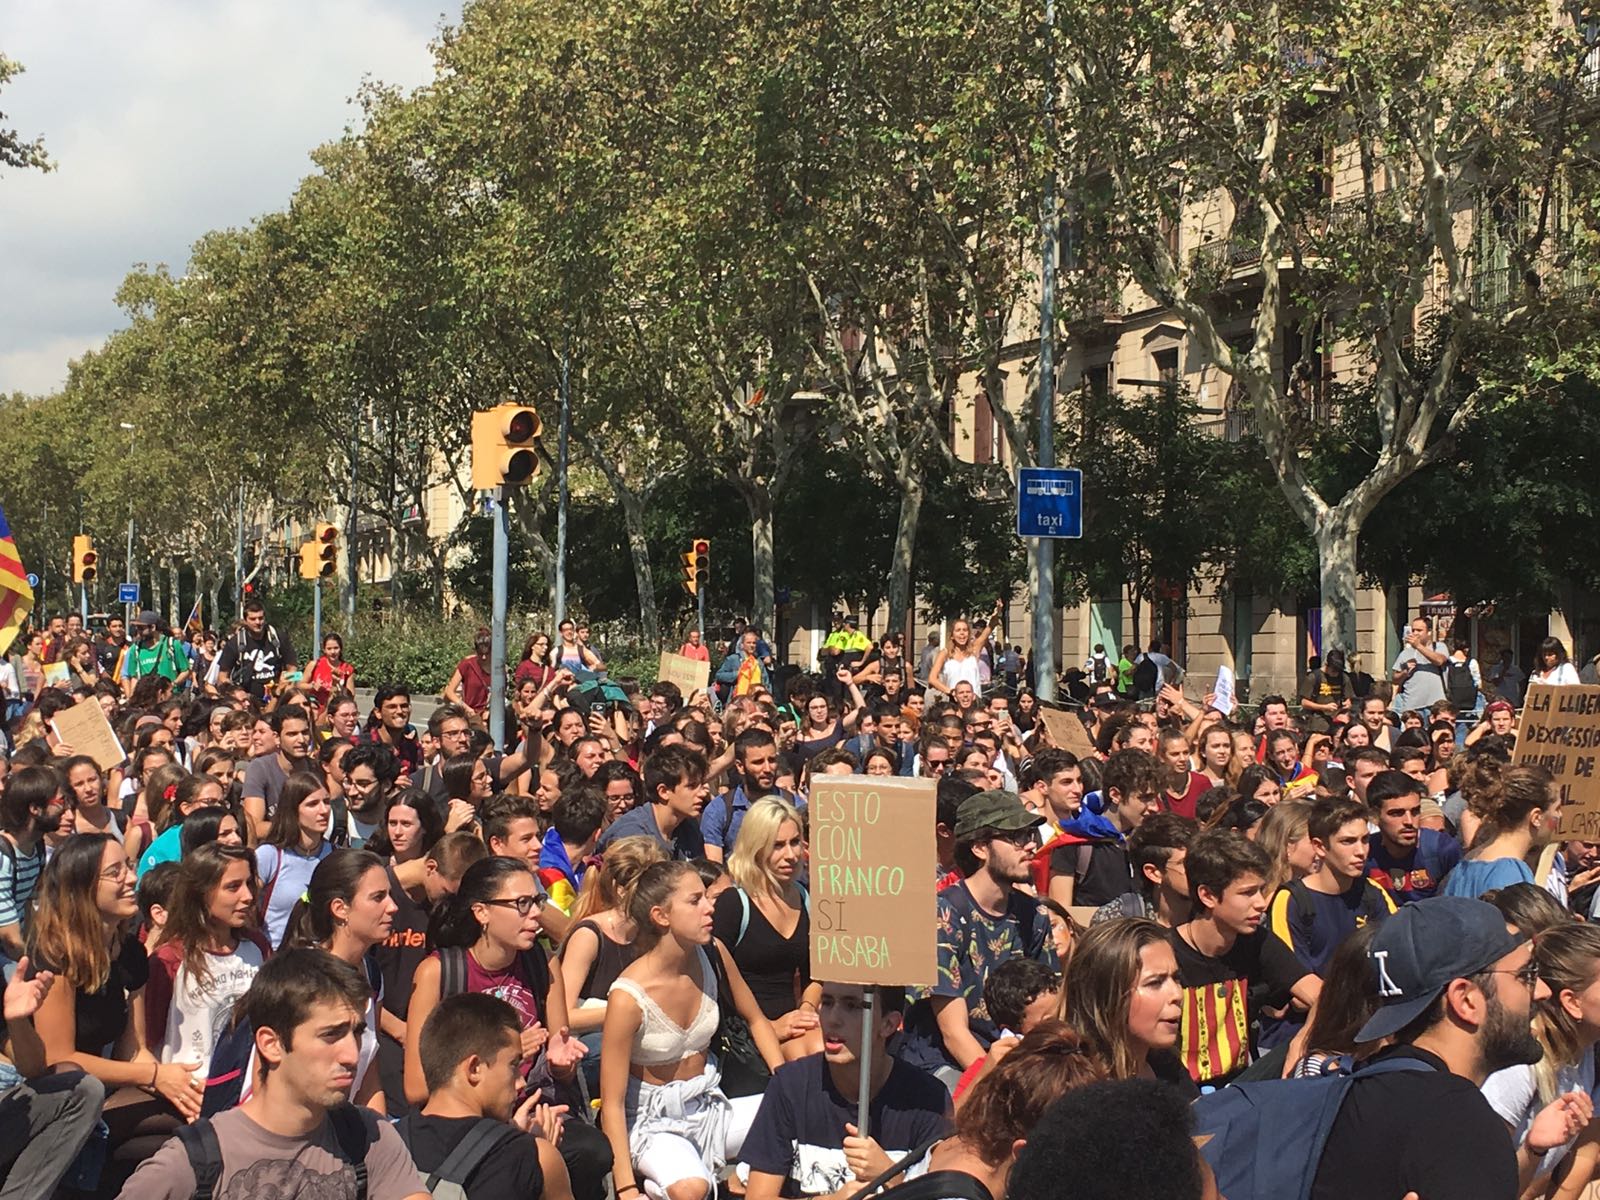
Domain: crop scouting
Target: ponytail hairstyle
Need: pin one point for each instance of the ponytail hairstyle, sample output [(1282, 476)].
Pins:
[(656, 883), (456, 924), (161, 793), (186, 793), (1569, 961), (66, 931), (189, 915), (609, 887), (1504, 799), (337, 877), (284, 832)]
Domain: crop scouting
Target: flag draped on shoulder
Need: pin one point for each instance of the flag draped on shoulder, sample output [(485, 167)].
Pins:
[(16, 596)]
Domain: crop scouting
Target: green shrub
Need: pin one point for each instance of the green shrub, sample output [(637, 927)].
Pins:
[(420, 653)]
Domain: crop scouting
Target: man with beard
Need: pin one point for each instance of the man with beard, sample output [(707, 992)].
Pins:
[(1456, 988), (983, 921), (30, 808)]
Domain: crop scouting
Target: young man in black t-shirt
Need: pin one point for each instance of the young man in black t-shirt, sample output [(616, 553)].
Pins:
[(1230, 965), (804, 1142), (471, 1051)]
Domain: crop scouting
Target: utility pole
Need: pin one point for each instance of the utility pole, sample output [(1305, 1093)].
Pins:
[(351, 561), (238, 557), (560, 600), (497, 622), (316, 616), (133, 431), (1042, 551)]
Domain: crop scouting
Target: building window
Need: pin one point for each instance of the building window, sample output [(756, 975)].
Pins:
[(1166, 362)]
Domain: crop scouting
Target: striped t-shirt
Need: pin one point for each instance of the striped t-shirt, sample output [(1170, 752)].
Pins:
[(19, 875)]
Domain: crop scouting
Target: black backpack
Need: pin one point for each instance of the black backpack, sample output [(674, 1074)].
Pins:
[(355, 1128), (932, 1185), (1146, 675), (449, 1182), (1458, 685)]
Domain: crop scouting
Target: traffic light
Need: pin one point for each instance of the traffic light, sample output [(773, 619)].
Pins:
[(697, 566), (502, 446), (319, 558), (85, 560)]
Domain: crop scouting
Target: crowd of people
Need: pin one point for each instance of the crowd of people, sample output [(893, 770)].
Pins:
[(290, 945)]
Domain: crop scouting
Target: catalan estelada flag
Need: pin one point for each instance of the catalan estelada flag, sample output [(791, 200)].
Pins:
[(16, 596)]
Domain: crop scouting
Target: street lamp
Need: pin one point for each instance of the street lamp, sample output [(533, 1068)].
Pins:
[(132, 432)]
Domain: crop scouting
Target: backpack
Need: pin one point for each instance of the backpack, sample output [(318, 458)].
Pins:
[(449, 1181), (931, 1185), (1458, 685), (1264, 1141), (1146, 675), (355, 1128)]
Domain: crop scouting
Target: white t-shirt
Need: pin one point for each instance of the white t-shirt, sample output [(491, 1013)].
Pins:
[(1514, 1094), (199, 1013), (1565, 674)]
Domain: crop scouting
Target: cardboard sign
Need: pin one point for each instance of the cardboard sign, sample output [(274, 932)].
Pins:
[(84, 727), (1067, 732), (873, 908), (690, 674), (1560, 730)]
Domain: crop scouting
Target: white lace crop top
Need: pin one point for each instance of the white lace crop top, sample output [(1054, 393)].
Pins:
[(659, 1039)]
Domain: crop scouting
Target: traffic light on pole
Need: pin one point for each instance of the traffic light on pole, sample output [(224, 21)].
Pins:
[(697, 566), (85, 560), (319, 558), (503, 453)]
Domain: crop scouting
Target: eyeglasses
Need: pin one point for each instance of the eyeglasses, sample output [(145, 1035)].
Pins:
[(523, 904), (1019, 837), (1528, 976), (117, 873)]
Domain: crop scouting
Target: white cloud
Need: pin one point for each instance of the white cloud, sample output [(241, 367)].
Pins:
[(167, 118)]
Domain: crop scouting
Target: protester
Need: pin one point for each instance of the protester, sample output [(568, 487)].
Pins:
[(1123, 995), (803, 1140), (296, 1128), (661, 1102), (474, 1130), (296, 841), (1519, 811), (764, 921)]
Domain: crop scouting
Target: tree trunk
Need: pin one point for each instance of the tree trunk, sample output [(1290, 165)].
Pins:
[(639, 551), (912, 491), (174, 600), (1337, 534), (215, 593), (759, 502)]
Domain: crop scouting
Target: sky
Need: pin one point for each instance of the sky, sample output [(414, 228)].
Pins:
[(166, 119)]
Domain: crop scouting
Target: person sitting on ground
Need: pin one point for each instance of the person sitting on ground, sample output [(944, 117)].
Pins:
[(1456, 989), (296, 1134), (1152, 1154), (1092, 868), (50, 1112), (1004, 1106), (1519, 810), (1156, 850), (803, 1141), (1122, 993), (472, 1061), (1019, 994)]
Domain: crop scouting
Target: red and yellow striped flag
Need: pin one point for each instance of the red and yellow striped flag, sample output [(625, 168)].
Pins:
[(16, 595)]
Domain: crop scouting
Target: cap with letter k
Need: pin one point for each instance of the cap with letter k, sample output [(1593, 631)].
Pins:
[(1420, 949)]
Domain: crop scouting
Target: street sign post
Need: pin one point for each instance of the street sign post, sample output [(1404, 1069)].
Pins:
[(1049, 502), (127, 593)]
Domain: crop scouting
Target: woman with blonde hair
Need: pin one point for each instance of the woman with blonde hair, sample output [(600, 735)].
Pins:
[(1284, 835), (957, 660), (1124, 998), (764, 920)]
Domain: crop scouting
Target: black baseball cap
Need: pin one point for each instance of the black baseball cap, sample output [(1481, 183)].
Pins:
[(1420, 949)]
